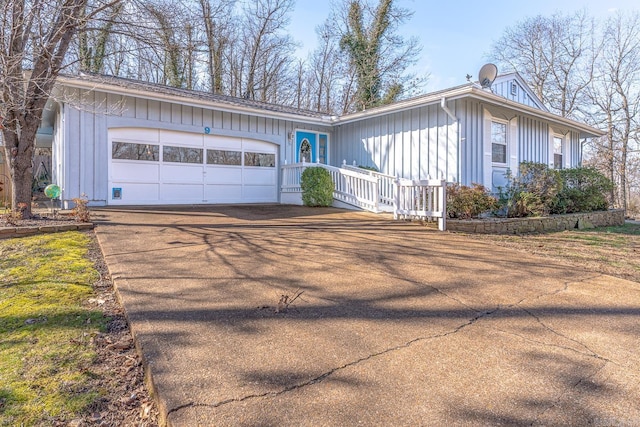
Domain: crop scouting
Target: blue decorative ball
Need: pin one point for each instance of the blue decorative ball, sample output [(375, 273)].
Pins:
[(52, 191)]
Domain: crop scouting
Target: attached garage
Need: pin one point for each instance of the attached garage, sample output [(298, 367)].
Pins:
[(152, 166)]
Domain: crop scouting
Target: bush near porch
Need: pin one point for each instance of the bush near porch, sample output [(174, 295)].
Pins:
[(317, 187), (536, 191)]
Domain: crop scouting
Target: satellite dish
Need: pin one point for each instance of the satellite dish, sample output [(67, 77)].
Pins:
[(487, 75)]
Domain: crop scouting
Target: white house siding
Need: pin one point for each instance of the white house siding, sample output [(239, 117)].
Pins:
[(58, 164), (414, 143), (529, 139), (521, 95), (533, 137), (471, 141), (82, 150), (575, 147)]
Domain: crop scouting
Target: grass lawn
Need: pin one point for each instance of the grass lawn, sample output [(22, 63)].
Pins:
[(609, 250), (46, 333)]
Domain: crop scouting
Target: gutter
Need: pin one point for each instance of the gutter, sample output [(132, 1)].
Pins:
[(408, 104)]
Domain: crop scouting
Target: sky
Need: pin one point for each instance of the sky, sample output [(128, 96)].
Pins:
[(455, 35)]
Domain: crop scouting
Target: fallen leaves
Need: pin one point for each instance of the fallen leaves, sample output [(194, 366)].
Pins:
[(123, 344)]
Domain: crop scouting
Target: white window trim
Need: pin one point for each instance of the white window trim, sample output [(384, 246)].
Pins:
[(506, 143), (562, 148)]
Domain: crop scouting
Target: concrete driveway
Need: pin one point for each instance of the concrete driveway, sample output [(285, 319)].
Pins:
[(396, 324)]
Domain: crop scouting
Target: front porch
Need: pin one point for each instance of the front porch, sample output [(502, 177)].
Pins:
[(357, 188)]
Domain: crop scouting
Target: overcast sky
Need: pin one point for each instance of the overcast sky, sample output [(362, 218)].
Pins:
[(456, 34)]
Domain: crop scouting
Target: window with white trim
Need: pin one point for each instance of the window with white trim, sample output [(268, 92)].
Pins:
[(498, 142), (558, 156)]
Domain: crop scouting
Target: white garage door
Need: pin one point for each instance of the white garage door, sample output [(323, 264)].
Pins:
[(150, 166)]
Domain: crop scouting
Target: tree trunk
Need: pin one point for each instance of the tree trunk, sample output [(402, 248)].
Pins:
[(19, 155)]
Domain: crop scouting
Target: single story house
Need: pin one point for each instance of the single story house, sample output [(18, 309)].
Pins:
[(126, 142)]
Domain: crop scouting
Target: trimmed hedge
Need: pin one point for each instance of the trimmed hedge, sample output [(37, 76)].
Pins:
[(317, 187)]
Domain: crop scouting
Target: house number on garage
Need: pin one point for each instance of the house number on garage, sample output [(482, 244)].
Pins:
[(207, 130)]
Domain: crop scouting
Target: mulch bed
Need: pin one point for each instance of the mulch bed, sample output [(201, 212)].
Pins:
[(38, 220), (125, 399)]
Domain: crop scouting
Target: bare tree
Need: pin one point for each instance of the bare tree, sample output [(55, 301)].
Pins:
[(172, 48), (378, 55), (555, 55), (267, 49), (93, 42), (216, 18), (588, 72), (616, 91), (35, 36), (327, 69)]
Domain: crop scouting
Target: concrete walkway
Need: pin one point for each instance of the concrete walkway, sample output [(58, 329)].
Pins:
[(397, 324)]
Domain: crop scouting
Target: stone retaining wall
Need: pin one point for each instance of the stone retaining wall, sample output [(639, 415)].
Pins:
[(8, 232), (538, 224)]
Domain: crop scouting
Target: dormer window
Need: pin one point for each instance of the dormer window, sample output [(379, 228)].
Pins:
[(514, 88)]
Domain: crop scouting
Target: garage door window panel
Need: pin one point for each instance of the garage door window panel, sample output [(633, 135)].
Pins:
[(181, 154), (133, 151), (224, 157), (260, 159)]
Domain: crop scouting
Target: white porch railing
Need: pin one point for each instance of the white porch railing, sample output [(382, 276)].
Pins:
[(350, 187), (291, 175), (373, 191), (424, 199), (386, 183)]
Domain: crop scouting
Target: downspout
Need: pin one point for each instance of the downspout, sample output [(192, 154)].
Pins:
[(443, 105)]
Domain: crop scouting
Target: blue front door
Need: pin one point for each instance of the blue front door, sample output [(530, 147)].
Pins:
[(306, 147)]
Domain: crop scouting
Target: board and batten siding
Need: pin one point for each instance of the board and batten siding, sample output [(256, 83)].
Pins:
[(415, 143), (533, 140), (575, 149), (81, 145), (471, 142), (513, 90)]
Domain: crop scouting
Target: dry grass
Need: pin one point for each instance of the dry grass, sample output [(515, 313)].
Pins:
[(611, 250)]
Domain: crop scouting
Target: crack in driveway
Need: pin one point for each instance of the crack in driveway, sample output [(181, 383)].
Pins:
[(327, 374), (480, 315), (574, 386)]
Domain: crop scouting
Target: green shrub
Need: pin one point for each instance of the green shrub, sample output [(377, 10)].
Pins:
[(317, 187), (583, 190), (468, 202), (532, 193)]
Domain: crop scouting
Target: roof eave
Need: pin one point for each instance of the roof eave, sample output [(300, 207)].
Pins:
[(405, 105), (199, 103), (472, 91), (586, 131)]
